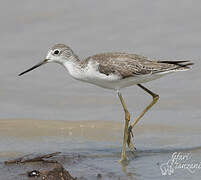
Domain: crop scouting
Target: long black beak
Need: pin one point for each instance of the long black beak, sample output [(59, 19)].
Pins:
[(34, 67)]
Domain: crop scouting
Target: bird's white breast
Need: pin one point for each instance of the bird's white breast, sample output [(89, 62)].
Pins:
[(91, 74)]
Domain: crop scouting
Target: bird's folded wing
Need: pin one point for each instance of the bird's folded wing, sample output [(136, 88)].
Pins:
[(129, 65)]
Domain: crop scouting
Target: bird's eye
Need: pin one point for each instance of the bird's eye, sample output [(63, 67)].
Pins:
[(56, 52)]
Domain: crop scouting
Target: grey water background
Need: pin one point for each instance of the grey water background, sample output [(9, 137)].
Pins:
[(169, 30)]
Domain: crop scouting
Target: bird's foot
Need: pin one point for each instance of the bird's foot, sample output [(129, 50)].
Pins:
[(130, 140), (124, 160)]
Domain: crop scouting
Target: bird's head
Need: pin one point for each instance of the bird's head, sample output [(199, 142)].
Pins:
[(59, 53)]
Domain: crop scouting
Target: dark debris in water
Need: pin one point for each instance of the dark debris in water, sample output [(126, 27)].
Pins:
[(33, 173), (33, 158), (57, 173), (47, 169)]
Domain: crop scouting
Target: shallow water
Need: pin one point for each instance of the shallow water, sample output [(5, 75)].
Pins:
[(46, 110), (98, 145)]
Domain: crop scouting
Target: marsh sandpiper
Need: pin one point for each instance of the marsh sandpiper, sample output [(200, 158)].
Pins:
[(114, 71)]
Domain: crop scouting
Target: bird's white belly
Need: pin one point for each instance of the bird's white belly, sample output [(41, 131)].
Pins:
[(119, 84), (115, 82)]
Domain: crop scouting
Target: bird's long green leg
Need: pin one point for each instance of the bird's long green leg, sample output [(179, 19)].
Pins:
[(155, 99), (127, 119)]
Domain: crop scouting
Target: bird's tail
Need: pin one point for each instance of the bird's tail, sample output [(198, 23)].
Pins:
[(180, 65)]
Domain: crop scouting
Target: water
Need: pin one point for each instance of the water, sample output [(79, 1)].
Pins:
[(38, 110)]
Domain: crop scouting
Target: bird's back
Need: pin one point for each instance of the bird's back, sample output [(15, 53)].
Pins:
[(127, 65)]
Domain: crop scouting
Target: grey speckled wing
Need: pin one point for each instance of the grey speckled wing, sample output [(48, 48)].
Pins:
[(128, 65)]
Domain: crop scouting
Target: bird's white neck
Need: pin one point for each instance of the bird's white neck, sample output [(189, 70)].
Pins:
[(74, 68)]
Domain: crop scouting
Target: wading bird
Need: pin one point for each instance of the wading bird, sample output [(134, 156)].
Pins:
[(114, 71)]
